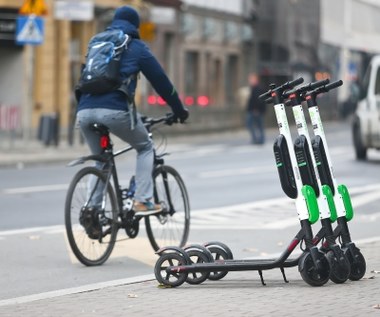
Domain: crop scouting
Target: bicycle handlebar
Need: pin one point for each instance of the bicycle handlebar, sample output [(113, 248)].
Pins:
[(167, 119)]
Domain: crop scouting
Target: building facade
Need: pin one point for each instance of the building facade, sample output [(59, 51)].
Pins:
[(202, 46)]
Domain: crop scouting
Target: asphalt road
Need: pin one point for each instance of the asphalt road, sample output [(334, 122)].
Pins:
[(235, 198)]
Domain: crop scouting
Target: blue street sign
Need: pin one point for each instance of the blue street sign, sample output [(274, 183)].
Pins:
[(29, 30)]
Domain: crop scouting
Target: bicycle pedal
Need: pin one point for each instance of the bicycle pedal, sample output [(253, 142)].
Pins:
[(128, 204)]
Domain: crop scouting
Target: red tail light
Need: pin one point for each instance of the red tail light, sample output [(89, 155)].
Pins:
[(104, 141)]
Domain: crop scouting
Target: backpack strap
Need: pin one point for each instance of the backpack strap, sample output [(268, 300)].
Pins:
[(130, 99), (124, 87)]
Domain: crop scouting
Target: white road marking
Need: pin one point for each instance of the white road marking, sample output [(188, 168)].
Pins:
[(74, 290), (236, 171), (34, 189), (193, 151), (269, 214)]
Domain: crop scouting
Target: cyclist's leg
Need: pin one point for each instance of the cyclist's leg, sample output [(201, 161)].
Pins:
[(85, 118), (139, 139)]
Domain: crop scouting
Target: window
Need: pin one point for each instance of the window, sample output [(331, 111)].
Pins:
[(191, 73), (231, 80)]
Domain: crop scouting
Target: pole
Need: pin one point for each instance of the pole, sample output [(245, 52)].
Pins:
[(29, 96)]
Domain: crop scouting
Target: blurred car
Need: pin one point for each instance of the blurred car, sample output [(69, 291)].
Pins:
[(366, 120)]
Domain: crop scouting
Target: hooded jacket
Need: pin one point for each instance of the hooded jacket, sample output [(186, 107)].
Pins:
[(137, 57)]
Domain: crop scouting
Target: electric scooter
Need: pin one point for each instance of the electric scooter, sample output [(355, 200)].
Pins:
[(341, 195), (175, 265), (339, 264)]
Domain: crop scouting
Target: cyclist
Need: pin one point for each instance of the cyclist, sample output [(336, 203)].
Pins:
[(113, 110)]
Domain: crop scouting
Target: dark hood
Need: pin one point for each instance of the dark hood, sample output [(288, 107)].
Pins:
[(126, 27)]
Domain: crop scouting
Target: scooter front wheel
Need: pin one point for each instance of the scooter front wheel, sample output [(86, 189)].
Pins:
[(171, 278), (310, 273), (340, 266), (357, 263)]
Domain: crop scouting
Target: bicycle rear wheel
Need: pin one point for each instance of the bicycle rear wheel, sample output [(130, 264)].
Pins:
[(91, 217), (171, 226)]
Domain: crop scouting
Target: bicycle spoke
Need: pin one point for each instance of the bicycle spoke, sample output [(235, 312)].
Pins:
[(91, 231), (169, 228)]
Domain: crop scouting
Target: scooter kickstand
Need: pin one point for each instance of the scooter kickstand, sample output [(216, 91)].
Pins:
[(283, 275), (262, 278)]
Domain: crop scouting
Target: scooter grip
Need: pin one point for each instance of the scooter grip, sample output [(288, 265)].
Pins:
[(265, 95), (292, 83), (334, 85), (318, 83)]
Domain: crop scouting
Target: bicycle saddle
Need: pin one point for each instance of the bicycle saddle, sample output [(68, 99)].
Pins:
[(100, 128)]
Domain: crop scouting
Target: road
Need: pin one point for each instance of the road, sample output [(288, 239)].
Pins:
[(235, 198)]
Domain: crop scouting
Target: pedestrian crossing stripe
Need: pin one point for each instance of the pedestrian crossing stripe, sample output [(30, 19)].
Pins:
[(29, 30)]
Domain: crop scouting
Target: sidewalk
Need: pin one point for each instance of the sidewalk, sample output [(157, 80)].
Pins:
[(22, 153), (238, 294)]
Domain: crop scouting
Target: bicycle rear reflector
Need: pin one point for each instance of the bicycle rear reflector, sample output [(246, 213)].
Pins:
[(104, 141)]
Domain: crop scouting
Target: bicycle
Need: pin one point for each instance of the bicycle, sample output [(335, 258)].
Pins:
[(97, 207)]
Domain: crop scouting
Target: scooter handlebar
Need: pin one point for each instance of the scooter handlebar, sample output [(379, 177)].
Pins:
[(334, 85), (291, 84), (288, 85), (318, 83), (325, 88), (307, 87), (265, 95)]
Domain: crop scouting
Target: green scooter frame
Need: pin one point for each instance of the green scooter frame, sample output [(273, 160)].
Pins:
[(175, 265), (307, 209), (339, 264), (341, 195)]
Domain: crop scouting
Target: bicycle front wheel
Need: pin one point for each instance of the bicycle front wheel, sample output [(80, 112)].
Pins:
[(91, 216), (171, 226)]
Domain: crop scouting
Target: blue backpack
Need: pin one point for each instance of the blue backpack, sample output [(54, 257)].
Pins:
[(101, 71)]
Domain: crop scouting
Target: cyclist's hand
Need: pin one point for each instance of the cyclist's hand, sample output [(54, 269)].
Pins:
[(181, 116)]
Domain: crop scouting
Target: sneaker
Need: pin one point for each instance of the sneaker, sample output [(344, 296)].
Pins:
[(146, 208)]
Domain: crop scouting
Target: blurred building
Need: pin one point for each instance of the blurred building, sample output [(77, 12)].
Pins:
[(350, 35), (288, 34), (205, 46), (208, 47)]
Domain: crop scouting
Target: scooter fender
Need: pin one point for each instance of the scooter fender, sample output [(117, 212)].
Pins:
[(327, 192), (343, 191), (315, 254), (221, 245), (200, 248), (175, 250), (311, 203)]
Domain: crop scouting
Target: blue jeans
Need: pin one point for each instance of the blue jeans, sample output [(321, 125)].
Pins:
[(119, 124), (255, 125)]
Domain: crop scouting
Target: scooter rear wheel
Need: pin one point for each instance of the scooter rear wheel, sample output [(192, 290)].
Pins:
[(196, 257), (172, 279), (340, 267), (219, 255), (310, 274)]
